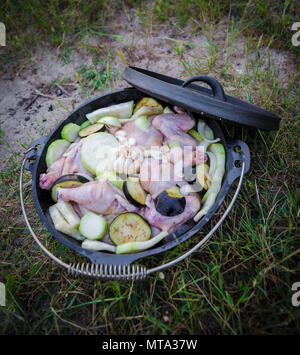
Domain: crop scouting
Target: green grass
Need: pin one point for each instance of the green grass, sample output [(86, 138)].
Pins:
[(92, 79), (240, 282)]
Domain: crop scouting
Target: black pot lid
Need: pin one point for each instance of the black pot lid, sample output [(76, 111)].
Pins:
[(212, 102)]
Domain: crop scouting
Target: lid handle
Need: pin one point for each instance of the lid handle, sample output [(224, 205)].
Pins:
[(216, 87)]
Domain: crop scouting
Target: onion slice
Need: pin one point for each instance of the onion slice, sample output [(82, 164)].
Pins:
[(205, 131)]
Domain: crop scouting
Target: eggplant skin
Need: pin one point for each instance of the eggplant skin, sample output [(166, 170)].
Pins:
[(71, 177), (67, 181), (169, 206), (130, 196)]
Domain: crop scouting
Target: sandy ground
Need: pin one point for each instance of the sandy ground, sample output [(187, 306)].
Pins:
[(28, 105)]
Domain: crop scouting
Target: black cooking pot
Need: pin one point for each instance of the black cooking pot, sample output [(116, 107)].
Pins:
[(237, 156)]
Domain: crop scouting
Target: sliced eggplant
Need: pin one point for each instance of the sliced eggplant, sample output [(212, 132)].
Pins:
[(174, 192), (91, 128), (170, 202), (66, 182), (147, 111), (134, 192), (129, 227), (202, 174), (147, 101)]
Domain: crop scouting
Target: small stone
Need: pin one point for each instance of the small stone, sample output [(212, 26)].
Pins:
[(27, 118), (166, 319), (18, 242), (59, 92), (161, 275)]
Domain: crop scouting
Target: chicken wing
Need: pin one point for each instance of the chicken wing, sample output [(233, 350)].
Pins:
[(174, 127)]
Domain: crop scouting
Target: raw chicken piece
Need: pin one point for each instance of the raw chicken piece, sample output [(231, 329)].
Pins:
[(73, 163), (69, 163), (187, 156), (52, 174), (97, 196), (170, 223), (151, 138), (157, 176), (174, 127), (80, 210)]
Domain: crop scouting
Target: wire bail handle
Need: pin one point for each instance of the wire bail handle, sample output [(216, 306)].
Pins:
[(120, 272)]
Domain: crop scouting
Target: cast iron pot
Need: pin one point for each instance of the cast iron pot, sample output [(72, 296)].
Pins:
[(112, 266)]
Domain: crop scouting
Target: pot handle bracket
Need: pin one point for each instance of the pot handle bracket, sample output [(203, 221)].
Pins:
[(123, 272), (108, 272), (244, 159), (32, 152)]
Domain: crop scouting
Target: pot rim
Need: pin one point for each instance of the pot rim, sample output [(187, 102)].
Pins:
[(190, 227)]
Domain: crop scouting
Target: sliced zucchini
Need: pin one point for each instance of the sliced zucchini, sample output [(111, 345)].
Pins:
[(123, 110), (85, 124), (97, 149), (170, 202), (134, 192), (66, 182), (70, 132), (93, 226), (129, 227), (142, 123), (55, 150), (147, 101), (62, 225), (112, 177), (110, 121), (67, 211), (91, 128), (133, 247)]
